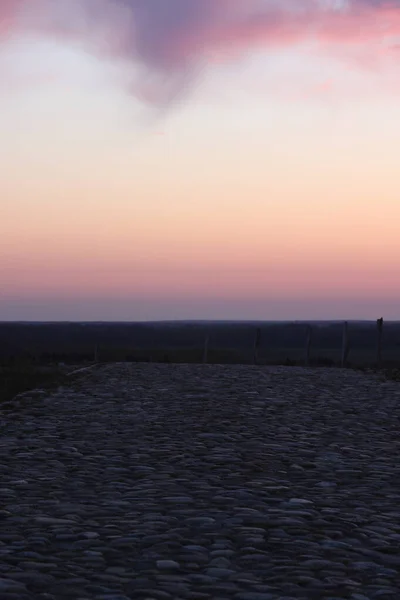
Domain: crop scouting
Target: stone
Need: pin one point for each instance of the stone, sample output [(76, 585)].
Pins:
[(167, 565)]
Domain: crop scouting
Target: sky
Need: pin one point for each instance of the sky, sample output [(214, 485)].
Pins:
[(199, 159)]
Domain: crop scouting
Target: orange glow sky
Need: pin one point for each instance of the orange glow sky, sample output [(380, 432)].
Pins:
[(269, 189)]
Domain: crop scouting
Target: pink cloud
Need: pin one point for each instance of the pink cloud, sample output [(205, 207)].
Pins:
[(168, 35), (171, 40)]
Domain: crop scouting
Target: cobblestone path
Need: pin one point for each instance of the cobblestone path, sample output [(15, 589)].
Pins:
[(199, 482)]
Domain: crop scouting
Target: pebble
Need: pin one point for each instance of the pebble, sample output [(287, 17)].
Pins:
[(202, 482)]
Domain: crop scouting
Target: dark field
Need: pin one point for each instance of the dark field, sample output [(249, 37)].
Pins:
[(31, 353), (229, 342)]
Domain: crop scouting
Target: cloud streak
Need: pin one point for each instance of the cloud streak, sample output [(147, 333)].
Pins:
[(168, 41)]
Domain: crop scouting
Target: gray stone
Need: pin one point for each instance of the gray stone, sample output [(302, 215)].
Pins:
[(254, 596), (219, 573), (167, 565)]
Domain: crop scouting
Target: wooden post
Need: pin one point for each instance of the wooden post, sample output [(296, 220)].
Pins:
[(345, 343), (205, 349), (379, 324), (257, 341), (308, 345)]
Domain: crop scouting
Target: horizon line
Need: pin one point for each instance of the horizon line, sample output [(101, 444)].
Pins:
[(194, 321)]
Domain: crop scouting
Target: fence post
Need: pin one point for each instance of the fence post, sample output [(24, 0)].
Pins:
[(308, 345), (345, 343), (205, 349), (379, 324), (257, 341)]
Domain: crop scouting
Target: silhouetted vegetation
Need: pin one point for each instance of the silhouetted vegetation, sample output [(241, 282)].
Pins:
[(22, 377)]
